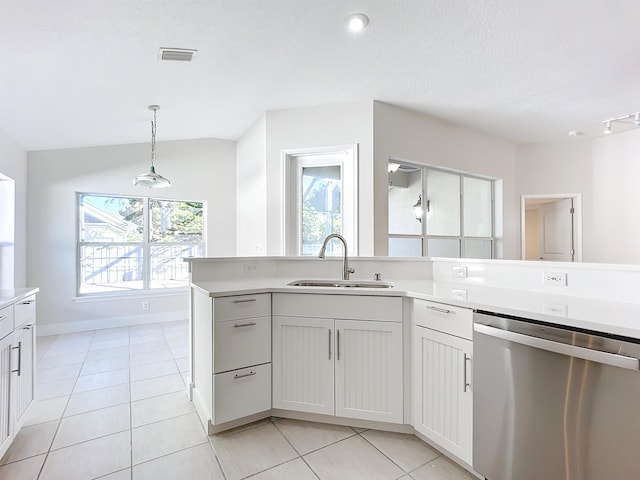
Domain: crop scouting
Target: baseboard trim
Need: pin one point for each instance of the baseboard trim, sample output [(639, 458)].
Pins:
[(112, 322)]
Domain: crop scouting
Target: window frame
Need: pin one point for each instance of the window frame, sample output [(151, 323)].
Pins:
[(294, 161), (424, 236), (145, 244)]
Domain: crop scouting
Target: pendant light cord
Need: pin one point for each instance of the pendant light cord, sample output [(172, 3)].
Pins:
[(153, 139)]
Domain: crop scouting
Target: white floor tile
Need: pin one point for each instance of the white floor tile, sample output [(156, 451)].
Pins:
[(97, 399), (50, 361), (101, 380), (246, 452), (156, 386), (309, 436), (90, 459), (156, 336), (407, 451), (45, 375), (159, 408), (293, 470), (192, 463), (120, 475), (42, 411), (27, 469), (104, 365), (152, 370), (441, 469), (354, 459), (104, 353), (59, 388), (151, 357), (180, 352), (90, 425), (116, 342), (140, 348), (168, 436), (183, 364), (30, 441)]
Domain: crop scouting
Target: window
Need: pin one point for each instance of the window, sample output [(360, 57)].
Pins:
[(321, 199), (439, 213), (136, 243)]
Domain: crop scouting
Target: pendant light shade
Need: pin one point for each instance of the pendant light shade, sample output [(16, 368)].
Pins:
[(151, 179)]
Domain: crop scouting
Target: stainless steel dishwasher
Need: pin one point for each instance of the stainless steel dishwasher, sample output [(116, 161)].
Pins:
[(553, 403)]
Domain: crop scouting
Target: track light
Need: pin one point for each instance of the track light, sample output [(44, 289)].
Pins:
[(622, 119)]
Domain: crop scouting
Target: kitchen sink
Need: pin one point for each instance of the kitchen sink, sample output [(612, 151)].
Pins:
[(341, 283)]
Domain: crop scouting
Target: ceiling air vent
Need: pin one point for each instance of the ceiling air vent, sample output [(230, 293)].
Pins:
[(176, 54)]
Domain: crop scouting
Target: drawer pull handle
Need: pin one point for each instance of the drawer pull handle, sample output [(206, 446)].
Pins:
[(26, 302), (3, 317), (329, 344), (441, 310), (338, 346), (250, 374), (240, 325), (248, 300)]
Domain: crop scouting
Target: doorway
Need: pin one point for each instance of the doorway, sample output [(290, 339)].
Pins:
[(551, 227)]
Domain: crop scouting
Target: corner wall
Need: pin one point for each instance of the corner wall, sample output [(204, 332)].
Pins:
[(198, 169), (606, 172), (13, 164)]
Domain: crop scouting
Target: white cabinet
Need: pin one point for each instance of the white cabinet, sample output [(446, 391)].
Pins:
[(327, 364), (231, 358), (17, 367), (442, 387)]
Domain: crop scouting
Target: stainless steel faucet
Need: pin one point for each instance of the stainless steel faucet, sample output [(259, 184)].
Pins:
[(345, 258)]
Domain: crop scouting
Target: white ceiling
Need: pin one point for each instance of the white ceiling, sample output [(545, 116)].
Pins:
[(82, 72)]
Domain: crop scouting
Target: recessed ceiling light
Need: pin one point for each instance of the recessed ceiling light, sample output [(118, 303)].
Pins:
[(575, 133), (176, 54), (357, 22)]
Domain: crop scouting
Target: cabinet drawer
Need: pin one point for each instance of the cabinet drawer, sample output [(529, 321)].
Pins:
[(25, 311), (353, 307), (241, 306), (240, 343), (241, 393), (6, 321), (444, 318)]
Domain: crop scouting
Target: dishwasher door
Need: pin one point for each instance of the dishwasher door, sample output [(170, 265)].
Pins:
[(554, 404)]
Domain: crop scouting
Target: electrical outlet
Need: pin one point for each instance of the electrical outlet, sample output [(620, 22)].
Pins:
[(250, 267), (459, 294), (559, 309), (459, 272), (554, 278), (146, 305)]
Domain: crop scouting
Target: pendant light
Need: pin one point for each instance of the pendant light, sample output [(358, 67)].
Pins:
[(152, 179)]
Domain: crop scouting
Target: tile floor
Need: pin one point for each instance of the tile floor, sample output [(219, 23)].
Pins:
[(111, 404)]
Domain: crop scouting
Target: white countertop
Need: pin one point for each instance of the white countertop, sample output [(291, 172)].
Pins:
[(13, 295), (617, 318)]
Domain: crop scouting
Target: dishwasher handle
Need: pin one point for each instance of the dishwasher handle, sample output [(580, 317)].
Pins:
[(613, 359)]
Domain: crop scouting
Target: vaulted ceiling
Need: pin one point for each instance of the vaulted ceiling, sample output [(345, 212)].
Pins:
[(82, 72)]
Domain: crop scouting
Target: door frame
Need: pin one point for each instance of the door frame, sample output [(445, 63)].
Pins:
[(577, 219)]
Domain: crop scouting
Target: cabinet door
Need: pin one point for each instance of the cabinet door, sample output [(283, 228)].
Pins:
[(5, 377), (369, 370), (303, 350), (442, 395), (22, 381)]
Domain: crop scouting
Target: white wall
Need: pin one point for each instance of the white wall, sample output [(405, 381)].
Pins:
[(410, 136), (13, 164), (606, 171), (198, 169), (251, 190), (349, 123)]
